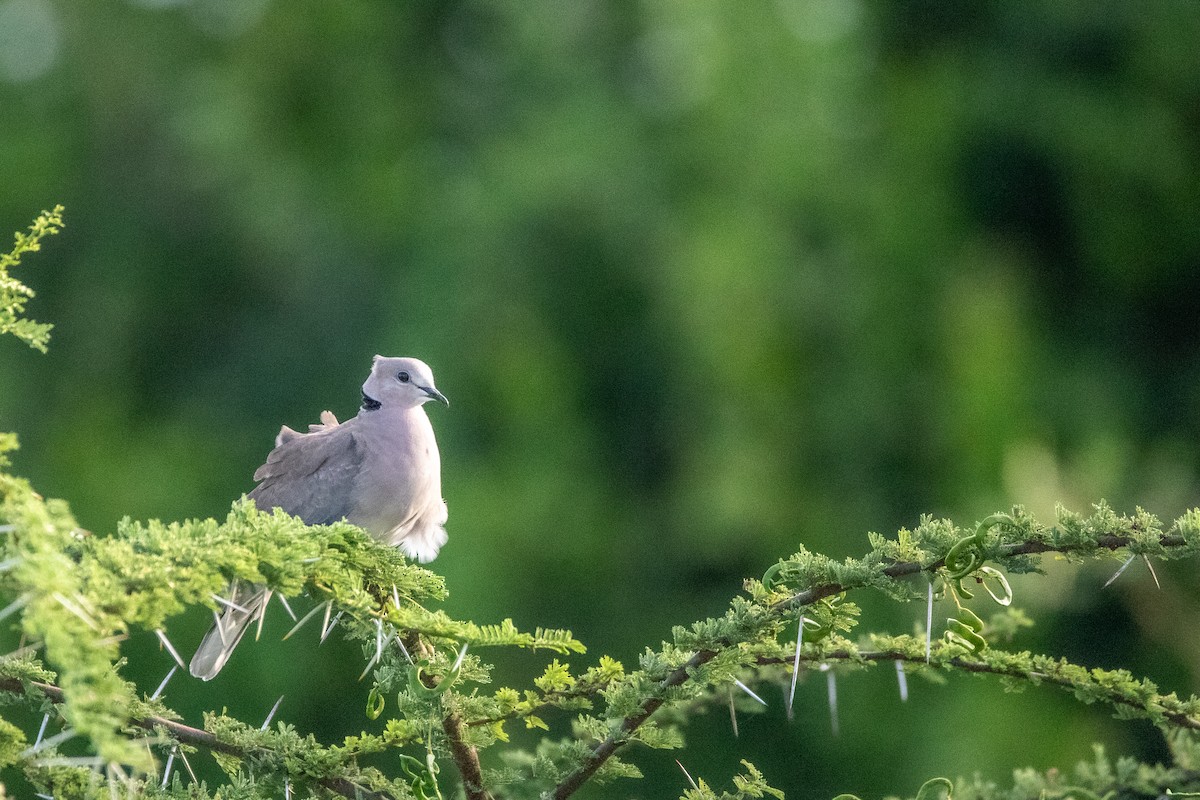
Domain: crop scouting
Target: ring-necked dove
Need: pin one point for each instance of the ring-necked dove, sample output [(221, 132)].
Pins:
[(380, 470)]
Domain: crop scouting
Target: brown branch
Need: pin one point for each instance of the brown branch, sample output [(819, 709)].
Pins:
[(605, 749), (197, 737), (1114, 697), (466, 756)]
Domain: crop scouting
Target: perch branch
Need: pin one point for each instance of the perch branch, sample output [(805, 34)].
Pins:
[(197, 737)]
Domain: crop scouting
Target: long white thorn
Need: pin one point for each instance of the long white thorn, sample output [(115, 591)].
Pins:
[(16, 605), (230, 604), (10, 563), (303, 620), (379, 644), (188, 765), (1150, 567), (42, 729), (262, 614), (167, 768), (332, 624), (795, 666), (902, 680), (404, 650), (831, 680), (162, 637), (733, 713), (929, 623), (76, 610), (56, 739), (220, 628), (748, 691), (463, 654), (271, 716), (396, 596), (287, 607), (163, 685), (687, 775), (7, 528), (1117, 574)]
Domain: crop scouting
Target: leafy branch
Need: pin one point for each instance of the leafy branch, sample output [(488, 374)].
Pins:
[(13, 293), (74, 597)]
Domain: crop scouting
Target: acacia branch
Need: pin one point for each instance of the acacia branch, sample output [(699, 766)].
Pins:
[(605, 749), (466, 756), (1110, 695), (199, 738)]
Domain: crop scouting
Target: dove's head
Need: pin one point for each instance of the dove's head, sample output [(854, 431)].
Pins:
[(397, 383)]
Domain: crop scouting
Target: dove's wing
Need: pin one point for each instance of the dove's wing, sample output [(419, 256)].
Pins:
[(311, 476)]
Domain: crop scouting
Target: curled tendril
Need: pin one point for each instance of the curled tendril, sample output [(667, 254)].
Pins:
[(966, 555), (964, 630), (768, 578), (375, 703), (1003, 593), (936, 789), (423, 777), (418, 687)]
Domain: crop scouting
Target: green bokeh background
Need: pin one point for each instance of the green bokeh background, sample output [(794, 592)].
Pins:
[(703, 281)]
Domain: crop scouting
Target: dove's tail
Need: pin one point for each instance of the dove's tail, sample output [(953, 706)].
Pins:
[(248, 604)]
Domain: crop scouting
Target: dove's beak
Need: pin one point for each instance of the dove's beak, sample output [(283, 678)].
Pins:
[(434, 394)]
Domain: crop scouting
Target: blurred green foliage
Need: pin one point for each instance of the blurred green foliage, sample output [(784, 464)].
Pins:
[(703, 281)]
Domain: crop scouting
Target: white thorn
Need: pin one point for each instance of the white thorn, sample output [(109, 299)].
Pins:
[(76, 610), (325, 622), (303, 620), (188, 764), (45, 796), (9, 563), (404, 650), (230, 604), (56, 739), (463, 654), (7, 528), (748, 691), (167, 768), (831, 679), (271, 716), (1117, 574), (163, 685), (162, 637), (929, 624), (1153, 574), (378, 639), (287, 790), (332, 624), (902, 679), (287, 607), (732, 713), (396, 596), (220, 628), (687, 775), (42, 729), (262, 614), (16, 605), (795, 666)]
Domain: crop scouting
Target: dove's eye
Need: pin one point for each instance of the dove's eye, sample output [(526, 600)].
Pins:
[(402, 377)]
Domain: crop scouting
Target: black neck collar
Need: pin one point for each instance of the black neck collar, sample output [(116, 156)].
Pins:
[(370, 403)]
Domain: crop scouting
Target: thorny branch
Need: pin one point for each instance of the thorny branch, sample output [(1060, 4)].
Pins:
[(677, 677), (200, 738)]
